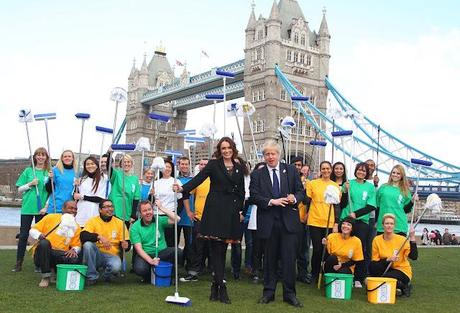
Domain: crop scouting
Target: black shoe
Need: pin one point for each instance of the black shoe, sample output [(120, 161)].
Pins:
[(91, 282), (305, 280), (407, 290), (294, 302), (189, 278), (214, 296), (236, 276), (17, 267), (266, 299), (223, 296)]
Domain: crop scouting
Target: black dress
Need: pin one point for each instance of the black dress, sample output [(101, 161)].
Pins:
[(221, 219)]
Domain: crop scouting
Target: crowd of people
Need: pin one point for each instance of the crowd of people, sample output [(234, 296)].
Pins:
[(95, 217), (434, 238)]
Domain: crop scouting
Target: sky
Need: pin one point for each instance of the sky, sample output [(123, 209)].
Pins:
[(396, 61)]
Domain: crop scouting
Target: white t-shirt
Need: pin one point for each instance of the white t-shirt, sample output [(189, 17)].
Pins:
[(86, 209), (164, 192)]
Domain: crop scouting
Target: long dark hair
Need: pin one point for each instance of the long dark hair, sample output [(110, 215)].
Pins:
[(344, 177), (97, 173), (232, 146)]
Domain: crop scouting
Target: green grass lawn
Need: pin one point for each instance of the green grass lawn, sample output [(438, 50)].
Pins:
[(436, 289)]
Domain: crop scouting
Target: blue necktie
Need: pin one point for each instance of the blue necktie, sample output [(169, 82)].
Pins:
[(276, 185)]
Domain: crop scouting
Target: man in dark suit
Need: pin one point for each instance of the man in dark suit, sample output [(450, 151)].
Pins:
[(276, 189)]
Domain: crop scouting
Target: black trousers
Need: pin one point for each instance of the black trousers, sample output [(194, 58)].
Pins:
[(378, 267), (316, 235), (370, 237), (47, 258), (26, 222), (188, 242), (361, 230), (198, 252), (169, 236), (258, 249), (218, 251), (280, 246), (303, 252), (142, 268), (332, 260)]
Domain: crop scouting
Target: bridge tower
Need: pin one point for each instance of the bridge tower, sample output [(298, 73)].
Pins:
[(155, 74), (284, 38)]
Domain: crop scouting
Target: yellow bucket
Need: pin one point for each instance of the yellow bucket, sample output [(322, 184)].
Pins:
[(381, 290)]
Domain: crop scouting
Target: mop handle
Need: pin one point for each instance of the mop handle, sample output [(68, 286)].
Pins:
[(37, 194), (407, 238), (49, 152)]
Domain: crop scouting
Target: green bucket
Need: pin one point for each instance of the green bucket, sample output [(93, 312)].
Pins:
[(71, 277), (338, 286)]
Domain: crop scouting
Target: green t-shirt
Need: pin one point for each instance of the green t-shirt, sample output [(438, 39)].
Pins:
[(145, 235), (29, 198), (391, 200), (132, 192), (361, 195)]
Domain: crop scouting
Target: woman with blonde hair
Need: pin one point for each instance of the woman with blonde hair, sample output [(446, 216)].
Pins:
[(63, 177), (395, 197), (31, 180), (131, 189), (392, 251)]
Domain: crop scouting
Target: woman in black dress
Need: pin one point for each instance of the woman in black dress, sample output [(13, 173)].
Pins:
[(221, 216)]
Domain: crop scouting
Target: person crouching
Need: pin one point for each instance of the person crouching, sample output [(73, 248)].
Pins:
[(143, 237), (102, 240), (59, 241)]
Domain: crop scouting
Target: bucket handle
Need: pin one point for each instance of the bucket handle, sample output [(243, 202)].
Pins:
[(325, 285), (78, 271), (159, 276), (374, 289)]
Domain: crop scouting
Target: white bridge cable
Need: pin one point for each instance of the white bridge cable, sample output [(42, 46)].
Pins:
[(429, 174)]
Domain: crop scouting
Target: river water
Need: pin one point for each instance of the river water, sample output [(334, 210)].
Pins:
[(11, 217)]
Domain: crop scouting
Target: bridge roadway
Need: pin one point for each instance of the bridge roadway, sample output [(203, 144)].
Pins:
[(191, 95)]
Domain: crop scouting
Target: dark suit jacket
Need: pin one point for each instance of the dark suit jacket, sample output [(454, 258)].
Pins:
[(225, 199), (261, 193)]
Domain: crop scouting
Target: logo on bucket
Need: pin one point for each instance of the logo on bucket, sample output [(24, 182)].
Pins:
[(72, 281), (383, 293)]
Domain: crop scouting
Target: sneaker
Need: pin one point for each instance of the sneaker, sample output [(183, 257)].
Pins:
[(398, 292), (188, 278), (358, 284), (91, 282), (37, 269), (44, 282), (255, 279)]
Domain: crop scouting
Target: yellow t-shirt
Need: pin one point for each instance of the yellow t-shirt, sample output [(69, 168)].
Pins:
[(201, 192), (382, 249), (112, 230), (58, 242), (345, 249), (302, 208), (319, 210)]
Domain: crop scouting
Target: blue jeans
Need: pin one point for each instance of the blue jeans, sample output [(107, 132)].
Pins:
[(95, 259)]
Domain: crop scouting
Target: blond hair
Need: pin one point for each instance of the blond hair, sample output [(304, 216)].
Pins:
[(403, 184), (271, 144), (60, 164)]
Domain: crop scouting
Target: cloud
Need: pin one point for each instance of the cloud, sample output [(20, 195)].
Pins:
[(410, 88)]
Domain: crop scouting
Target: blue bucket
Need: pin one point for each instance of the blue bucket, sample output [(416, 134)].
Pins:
[(161, 274)]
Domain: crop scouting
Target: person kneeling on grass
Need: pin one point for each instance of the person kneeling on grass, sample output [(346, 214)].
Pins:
[(102, 240), (390, 248), (143, 237), (59, 241), (344, 250)]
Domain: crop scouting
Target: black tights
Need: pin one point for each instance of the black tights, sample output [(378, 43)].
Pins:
[(218, 254), (26, 222), (377, 268), (316, 235)]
